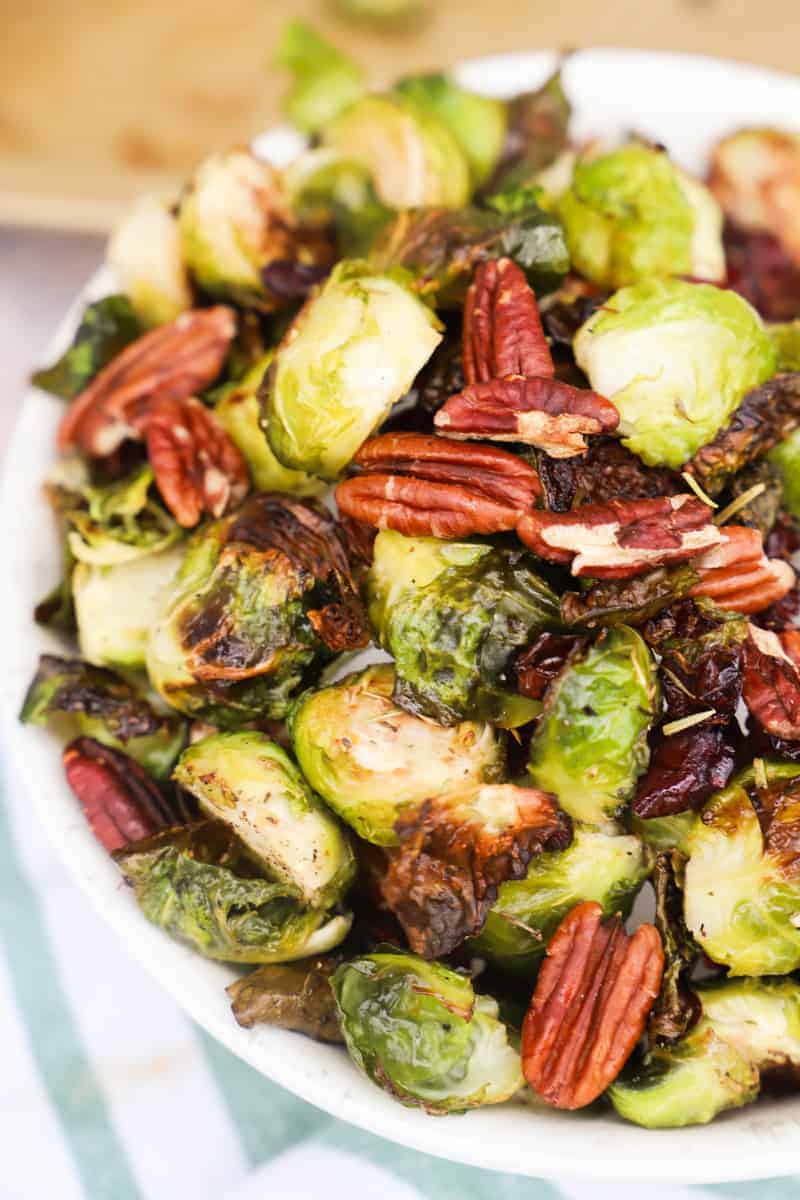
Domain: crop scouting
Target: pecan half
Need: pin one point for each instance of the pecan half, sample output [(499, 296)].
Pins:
[(197, 467), (170, 362), (120, 800), (595, 990), (738, 576), (503, 332), (771, 684), (622, 538), (454, 855), (422, 485), (546, 413)]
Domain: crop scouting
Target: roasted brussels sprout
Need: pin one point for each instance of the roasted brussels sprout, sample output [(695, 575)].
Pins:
[(324, 81), (198, 883), (478, 123), (116, 606), (106, 327), (685, 1084), (787, 343), (453, 615), (758, 1017), (441, 247), (371, 761), (676, 359), (235, 222), (327, 188), (81, 699), (263, 596), (237, 411), (118, 522), (590, 745), (630, 216), (294, 996), (786, 457), (252, 785), (419, 1031), (527, 912), (755, 175), (742, 882), (353, 350), (146, 255), (409, 151)]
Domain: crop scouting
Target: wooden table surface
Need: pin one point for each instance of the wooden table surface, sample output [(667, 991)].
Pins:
[(100, 99)]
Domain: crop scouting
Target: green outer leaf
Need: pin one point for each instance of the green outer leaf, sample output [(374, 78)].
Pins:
[(478, 123), (786, 457), (107, 326), (324, 80), (590, 746), (417, 1029), (596, 866)]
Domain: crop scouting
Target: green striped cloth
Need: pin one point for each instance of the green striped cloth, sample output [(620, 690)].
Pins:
[(108, 1092)]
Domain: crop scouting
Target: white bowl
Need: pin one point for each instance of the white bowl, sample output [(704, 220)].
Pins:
[(685, 102)]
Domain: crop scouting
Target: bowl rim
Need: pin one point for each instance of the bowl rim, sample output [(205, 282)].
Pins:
[(770, 1133)]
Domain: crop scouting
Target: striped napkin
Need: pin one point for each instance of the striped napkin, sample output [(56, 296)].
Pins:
[(108, 1092)]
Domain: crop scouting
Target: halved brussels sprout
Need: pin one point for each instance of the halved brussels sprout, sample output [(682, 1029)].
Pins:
[(119, 521), (350, 354), (324, 80), (685, 1084), (742, 881), (107, 326), (759, 1017), (264, 596), (453, 616), (146, 256), (235, 221), (676, 359), (630, 216), (786, 457), (116, 606), (77, 698), (198, 883), (252, 785), (412, 156), (590, 745), (327, 187), (370, 760), (596, 866), (419, 1031), (237, 411), (478, 123)]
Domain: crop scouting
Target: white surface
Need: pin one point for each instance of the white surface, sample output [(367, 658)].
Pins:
[(685, 102)]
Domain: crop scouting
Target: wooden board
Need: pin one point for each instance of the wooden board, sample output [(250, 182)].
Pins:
[(101, 99)]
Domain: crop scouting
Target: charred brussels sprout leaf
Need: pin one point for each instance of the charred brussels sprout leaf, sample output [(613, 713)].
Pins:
[(118, 522), (676, 1008), (418, 1031), (538, 124), (675, 359), (350, 354), (454, 615), (200, 886), (371, 761), (263, 596), (478, 123), (758, 1017), (146, 256), (116, 606), (410, 152), (252, 785), (612, 602), (237, 411), (107, 326), (294, 996), (441, 247), (685, 1084), (93, 702), (631, 215), (527, 912), (326, 187), (786, 457), (742, 884), (324, 81), (590, 745)]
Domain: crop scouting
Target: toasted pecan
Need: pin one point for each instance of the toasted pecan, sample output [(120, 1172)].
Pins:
[(771, 684), (503, 332), (595, 990), (738, 576), (121, 802)]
